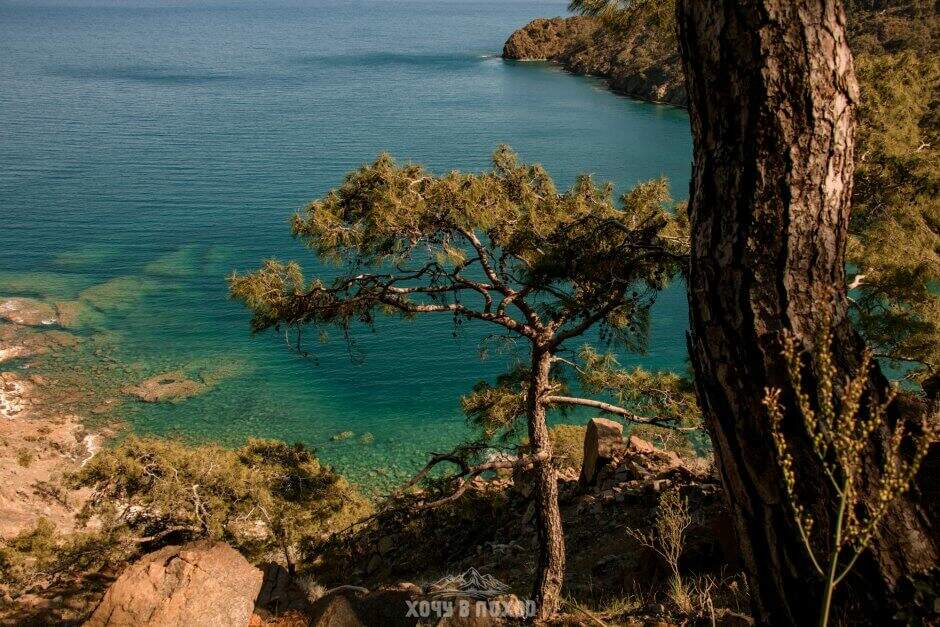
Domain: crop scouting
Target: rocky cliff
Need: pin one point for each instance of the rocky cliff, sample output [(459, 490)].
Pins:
[(640, 62)]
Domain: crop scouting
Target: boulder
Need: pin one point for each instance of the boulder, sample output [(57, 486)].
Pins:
[(349, 606), (602, 438), (203, 583), (27, 311), (166, 387), (641, 446)]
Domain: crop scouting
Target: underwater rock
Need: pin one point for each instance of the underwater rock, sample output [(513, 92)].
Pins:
[(44, 285), (168, 387), (119, 294), (85, 256), (340, 436), (183, 262), (18, 343), (27, 311), (75, 314)]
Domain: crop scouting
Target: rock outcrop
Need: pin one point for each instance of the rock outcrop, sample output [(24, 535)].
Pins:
[(27, 311), (638, 61), (601, 439), (204, 583), (550, 39)]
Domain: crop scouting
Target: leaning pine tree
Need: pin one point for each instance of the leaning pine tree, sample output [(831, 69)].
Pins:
[(502, 247)]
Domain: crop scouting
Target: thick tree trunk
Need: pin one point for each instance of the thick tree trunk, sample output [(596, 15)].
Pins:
[(550, 569), (771, 98)]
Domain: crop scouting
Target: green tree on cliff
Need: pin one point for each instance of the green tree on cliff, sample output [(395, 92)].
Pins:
[(503, 247)]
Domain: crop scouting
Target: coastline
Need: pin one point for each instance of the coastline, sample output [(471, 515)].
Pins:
[(636, 66)]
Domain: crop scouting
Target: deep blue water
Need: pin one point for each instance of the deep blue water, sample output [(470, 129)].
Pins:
[(153, 147)]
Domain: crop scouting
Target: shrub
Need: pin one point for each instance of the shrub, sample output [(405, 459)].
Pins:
[(40, 556), (263, 496)]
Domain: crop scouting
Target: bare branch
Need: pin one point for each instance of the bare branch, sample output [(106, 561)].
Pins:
[(466, 475), (516, 298), (614, 409), (589, 320)]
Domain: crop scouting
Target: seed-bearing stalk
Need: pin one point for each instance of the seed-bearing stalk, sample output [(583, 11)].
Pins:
[(840, 424)]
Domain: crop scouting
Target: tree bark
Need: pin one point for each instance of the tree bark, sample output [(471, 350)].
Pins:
[(550, 567), (772, 97)]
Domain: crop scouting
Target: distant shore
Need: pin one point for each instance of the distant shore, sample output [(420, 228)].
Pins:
[(639, 67)]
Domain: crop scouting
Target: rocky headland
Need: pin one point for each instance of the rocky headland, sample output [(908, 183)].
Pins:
[(640, 62)]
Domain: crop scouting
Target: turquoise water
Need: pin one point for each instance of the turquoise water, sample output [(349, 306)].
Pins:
[(154, 147)]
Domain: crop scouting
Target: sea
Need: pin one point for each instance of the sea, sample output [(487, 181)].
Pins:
[(150, 148)]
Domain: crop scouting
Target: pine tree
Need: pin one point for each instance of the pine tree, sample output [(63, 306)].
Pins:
[(502, 247)]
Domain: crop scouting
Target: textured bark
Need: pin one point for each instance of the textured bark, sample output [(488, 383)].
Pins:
[(550, 568), (772, 97)]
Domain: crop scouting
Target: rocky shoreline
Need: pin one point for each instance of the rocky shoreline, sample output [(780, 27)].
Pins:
[(613, 484), (56, 384), (41, 436), (636, 63)]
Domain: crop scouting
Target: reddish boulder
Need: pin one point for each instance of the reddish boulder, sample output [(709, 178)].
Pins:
[(203, 583)]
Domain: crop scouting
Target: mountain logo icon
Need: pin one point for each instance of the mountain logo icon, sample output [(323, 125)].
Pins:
[(471, 583)]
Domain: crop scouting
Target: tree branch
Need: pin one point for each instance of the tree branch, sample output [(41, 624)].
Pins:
[(614, 409), (589, 320), (511, 296), (466, 475)]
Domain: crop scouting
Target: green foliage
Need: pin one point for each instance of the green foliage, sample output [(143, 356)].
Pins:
[(264, 495), (567, 446), (463, 244), (665, 395), (627, 17), (40, 554), (896, 215), (495, 409), (890, 26)]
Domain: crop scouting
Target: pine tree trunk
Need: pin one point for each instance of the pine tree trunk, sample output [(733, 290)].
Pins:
[(550, 568), (772, 97)]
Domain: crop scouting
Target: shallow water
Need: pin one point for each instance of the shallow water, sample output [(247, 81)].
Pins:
[(147, 149)]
